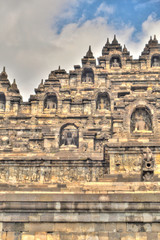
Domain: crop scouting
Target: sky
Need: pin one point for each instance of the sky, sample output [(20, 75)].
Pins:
[(36, 36)]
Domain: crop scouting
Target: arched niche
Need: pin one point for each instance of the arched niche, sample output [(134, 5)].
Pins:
[(155, 60), (103, 101), (2, 102), (50, 101), (87, 75), (69, 135), (141, 121), (115, 61)]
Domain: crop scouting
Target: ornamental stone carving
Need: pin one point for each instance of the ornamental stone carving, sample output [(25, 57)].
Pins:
[(147, 165)]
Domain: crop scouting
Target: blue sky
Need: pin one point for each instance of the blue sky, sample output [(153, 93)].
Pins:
[(39, 35), (116, 12)]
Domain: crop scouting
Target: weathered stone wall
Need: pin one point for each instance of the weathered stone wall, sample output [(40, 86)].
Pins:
[(79, 215), (87, 231)]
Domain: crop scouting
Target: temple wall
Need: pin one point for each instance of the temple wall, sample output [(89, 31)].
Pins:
[(80, 160)]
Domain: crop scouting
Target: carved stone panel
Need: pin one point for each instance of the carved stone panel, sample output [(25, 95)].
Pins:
[(147, 165)]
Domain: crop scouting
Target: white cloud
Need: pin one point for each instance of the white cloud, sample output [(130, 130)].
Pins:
[(150, 27), (27, 38), (104, 8), (144, 4), (30, 46)]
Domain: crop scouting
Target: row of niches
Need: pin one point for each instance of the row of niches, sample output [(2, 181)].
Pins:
[(140, 122), (115, 61), (51, 102), (72, 135), (102, 102)]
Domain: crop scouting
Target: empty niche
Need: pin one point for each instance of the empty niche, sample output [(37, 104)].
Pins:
[(141, 120), (115, 61), (155, 61), (69, 135), (2, 102), (50, 101), (87, 75), (103, 101)]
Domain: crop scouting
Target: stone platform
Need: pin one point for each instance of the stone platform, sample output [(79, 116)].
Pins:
[(84, 211)]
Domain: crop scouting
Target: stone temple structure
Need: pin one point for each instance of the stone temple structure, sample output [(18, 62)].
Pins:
[(81, 159)]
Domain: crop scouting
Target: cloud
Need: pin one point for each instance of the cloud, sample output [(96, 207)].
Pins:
[(144, 4), (150, 27), (28, 33), (105, 9), (31, 46)]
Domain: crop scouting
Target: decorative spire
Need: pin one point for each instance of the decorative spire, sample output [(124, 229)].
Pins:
[(107, 43), (125, 49), (155, 40), (150, 41), (58, 71), (3, 74), (89, 54), (115, 42), (41, 84), (14, 87), (111, 46), (89, 58)]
